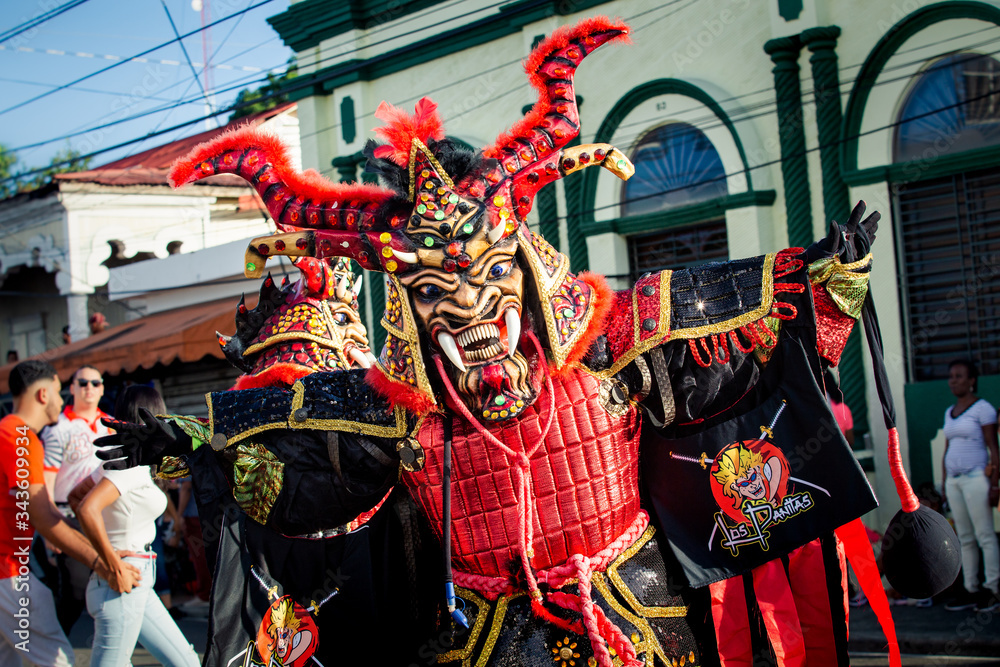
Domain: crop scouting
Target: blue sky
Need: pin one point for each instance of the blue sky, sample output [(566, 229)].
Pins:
[(109, 31)]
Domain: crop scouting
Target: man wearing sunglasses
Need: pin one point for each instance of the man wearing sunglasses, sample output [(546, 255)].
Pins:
[(69, 460)]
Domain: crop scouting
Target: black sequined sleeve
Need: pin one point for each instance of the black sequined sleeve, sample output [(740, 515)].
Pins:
[(310, 458)]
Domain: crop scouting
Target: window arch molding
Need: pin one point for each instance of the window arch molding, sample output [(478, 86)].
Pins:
[(629, 103), (876, 61)]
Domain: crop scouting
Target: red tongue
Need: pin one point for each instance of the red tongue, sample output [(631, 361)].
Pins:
[(494, 377)]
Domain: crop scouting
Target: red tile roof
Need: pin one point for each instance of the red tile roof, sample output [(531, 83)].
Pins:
[(152, 166), (163, 156)]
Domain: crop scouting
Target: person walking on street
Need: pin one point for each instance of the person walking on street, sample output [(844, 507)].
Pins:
[(970, 487), (120, 513), (70, 457), (25, 507)]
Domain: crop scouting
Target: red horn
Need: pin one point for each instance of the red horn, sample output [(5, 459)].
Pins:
[(350, 220), (530, 153)]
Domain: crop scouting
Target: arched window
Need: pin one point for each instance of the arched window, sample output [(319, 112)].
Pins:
[(949, 226), (953, 107), (675, 166)]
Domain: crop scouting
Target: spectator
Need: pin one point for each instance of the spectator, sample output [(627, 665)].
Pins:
[(70, 457), (98, 323), (67, 338), (35, 387), (970, 429), (120, 513), (12, 356)]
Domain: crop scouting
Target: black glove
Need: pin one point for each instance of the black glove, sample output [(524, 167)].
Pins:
[(851, 241), (141, 444)]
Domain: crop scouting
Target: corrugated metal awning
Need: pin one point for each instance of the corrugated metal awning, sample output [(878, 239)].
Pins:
[(182, 334)]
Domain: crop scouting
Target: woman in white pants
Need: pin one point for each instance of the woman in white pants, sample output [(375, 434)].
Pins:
[(970, 474), (118, 514)]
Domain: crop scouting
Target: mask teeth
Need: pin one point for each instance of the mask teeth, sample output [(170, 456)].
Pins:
[(447, 344), (477, 333), (513, 320)]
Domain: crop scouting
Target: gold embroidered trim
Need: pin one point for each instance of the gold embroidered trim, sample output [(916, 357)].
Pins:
[(172, 467), (766, 302), (417, 144), (254, 431), (496, 627), (211, 419), (343, 425), (649, 640), (547, 287), (465, 654), (290, 335), (662, 328), (619, 582), (416, 351)]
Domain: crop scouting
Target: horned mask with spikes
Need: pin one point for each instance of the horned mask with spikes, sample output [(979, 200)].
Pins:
[(438, 206)]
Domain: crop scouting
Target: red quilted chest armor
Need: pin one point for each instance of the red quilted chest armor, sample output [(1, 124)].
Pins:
[(584, 480)]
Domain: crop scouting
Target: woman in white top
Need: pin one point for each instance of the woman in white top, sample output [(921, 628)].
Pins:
[(118, 514), (970, 485)]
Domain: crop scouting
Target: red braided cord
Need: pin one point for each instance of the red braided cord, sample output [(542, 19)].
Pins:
[(776, 313), (693, 344), (716, 340), (903, 488), (786, 262), (736, 342), (556, 577), (797, 288), (522, 467)]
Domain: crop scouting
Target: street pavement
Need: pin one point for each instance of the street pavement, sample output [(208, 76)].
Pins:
[(928, 637)]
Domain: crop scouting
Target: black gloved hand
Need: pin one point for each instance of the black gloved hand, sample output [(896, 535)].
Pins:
[(851, 241), (141, 444)]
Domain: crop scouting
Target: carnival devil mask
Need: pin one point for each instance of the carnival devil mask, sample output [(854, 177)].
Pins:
[(309, 325), (448, 229)]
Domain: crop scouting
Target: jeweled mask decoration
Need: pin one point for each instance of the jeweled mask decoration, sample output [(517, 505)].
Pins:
[(447, 227), (311, 324)]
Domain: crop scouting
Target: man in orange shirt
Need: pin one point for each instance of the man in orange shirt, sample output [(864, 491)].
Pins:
[(29, 628)]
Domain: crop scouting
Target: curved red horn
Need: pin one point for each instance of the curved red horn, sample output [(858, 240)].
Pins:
[(529, 155), (294, 199)]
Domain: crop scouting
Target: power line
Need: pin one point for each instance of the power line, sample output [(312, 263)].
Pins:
[(138, 55), (38, 20), (746, 116), (286, 90), (187, 57)]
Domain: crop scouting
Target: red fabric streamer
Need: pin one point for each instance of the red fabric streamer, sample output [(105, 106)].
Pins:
[(732, 624), (862, 558), (812, 601), (777, 606)]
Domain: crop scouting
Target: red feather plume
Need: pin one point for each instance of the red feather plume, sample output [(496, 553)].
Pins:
[(401, 129)]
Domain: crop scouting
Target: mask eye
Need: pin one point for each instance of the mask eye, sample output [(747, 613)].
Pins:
[(340, 318), (429, 292), (500, 269)]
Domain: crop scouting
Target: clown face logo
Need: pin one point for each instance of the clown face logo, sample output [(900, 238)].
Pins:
[(749, 482), (287, 635), (749, 471)]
